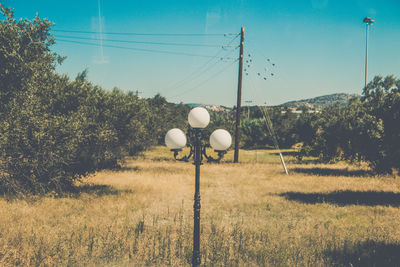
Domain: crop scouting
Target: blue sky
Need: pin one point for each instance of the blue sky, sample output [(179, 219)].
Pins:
[(317, 46)]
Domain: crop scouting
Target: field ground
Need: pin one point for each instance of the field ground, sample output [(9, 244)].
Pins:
[(252, 214)]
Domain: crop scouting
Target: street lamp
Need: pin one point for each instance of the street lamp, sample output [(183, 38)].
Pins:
[(176, 139), (367, 21)]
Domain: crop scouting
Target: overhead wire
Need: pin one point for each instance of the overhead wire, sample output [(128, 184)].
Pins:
[(209, 65), (135, 42), (202, 69), (136, 49), (146, 34), (226, 67)]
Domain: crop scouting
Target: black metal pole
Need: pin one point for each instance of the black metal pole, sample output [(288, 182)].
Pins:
[(196, 260)]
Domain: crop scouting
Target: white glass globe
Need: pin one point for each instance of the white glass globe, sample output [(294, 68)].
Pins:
[(220, 140), (175, 139), (199, 117)]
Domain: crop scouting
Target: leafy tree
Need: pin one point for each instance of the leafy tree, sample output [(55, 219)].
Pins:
[(166, 116), (255, 133), (31, 141), (363, 130), (381, 99), (54, 131)]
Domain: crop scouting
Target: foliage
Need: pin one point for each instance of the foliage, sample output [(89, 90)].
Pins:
[(166, 116), (367, 129), (381, 100), (254, 126), (31, 139), (263, 125), (220, 120), (53, 131)]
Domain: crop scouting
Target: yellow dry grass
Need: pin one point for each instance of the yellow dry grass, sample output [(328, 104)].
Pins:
[(252, 214)]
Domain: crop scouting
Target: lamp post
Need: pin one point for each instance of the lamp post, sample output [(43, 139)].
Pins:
[(176, 139), (367, 21)]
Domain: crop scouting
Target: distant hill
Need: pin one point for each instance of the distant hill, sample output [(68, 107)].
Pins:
[(209, 107), (315, 103), (321, 101)]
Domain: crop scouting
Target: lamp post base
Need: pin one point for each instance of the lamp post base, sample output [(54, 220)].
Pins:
[(196, 261)]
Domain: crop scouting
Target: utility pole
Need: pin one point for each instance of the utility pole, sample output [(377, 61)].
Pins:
[(239, 98), (367, 21)]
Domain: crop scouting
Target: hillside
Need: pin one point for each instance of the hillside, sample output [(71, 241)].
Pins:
[(321, 101), (312, 103)]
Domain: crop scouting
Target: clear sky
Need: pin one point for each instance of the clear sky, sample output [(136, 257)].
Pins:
[(294, 49)]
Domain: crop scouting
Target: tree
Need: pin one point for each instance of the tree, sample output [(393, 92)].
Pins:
[(363, 130), (54, 131)]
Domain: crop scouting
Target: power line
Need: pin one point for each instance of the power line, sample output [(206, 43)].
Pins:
[(148, 34), (137, 42), (137, 49), (202, 69), (200, 73), (205, 81)]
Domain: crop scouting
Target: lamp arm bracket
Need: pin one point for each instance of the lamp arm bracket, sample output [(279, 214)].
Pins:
[(221, 154), (184, 158)]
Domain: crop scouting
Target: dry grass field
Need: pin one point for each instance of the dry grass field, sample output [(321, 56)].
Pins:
[(252, 214)]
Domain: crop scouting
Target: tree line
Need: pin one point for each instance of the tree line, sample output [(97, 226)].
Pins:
[(366, 129), (54, 130)]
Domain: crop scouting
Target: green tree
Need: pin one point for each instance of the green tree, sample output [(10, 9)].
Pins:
[(54, 131), (363, 130)]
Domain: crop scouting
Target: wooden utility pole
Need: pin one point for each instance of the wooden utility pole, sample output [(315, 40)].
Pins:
[(239, 98)]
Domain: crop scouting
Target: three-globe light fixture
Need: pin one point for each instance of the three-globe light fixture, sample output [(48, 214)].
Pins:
[(220, 141)]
